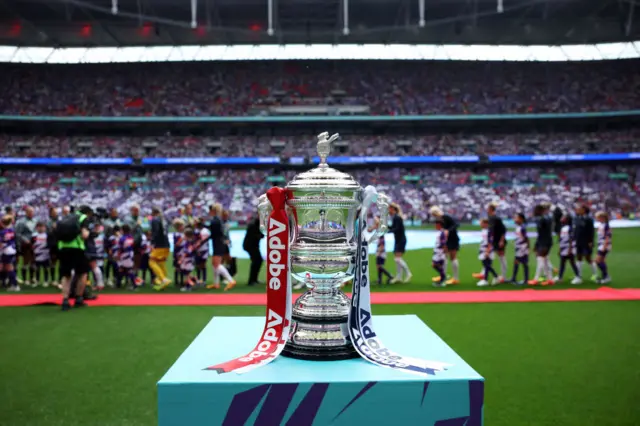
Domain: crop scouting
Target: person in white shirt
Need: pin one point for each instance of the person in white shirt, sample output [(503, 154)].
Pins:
[(440, 253), (203, 237), (522, 250), (567, 249), (486, 255), (604, 246)]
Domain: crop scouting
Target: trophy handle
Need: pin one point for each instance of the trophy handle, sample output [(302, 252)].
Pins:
[(382, 203), (264, 210), (370, 197), (293, 224)]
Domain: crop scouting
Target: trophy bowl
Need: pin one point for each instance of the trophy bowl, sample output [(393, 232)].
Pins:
[(323, 206)]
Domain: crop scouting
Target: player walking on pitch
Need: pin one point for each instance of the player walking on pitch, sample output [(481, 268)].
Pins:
[(216, 228), (397, 228), (450, 227)]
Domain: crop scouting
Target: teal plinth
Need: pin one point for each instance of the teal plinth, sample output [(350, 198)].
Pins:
[(297, 393)]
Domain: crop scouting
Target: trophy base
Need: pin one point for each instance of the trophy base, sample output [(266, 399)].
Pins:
[(307, 353), (320, 327)]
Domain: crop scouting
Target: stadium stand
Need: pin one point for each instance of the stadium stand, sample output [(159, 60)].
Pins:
[(318, 87), (461, 192), (350, 145)]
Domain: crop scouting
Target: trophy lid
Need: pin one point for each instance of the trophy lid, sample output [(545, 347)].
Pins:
[(324, 177)]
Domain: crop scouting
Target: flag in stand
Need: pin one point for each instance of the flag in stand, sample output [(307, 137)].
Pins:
[(134, 103)]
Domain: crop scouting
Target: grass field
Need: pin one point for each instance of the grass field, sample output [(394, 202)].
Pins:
[(570, 364), (545, 363)]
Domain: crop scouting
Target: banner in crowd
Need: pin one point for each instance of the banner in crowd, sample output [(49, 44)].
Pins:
[(561, 157), (211, 160), (16, 161), (467, 159), (393, 159), (471, 159)]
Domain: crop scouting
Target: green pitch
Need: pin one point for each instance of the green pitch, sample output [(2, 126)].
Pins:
[(545, 364)]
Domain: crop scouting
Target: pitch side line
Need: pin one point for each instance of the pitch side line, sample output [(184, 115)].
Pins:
[(396, 298)]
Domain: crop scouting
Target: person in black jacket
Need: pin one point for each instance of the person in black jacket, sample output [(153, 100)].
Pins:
[(544, 225), (583, 232), (218, 238), (453, 243), (556, 225), (557, 220), (499, 233), (251, 245), (397, 229)]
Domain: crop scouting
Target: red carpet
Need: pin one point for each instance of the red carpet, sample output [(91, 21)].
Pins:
[(492, 296)]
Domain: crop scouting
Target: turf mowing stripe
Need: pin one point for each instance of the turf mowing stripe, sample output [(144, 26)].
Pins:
[(399, 298)]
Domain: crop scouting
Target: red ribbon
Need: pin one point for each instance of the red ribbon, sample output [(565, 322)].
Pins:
[(277, 323)]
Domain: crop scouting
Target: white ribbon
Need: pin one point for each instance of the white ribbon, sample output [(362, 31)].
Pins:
[(361, 329)]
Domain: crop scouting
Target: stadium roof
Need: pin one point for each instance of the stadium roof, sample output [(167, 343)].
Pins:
[(74, 23)]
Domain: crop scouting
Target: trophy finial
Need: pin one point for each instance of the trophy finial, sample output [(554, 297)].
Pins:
[(324, 146)]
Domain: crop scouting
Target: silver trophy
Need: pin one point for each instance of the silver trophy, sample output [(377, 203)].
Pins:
[(323, 207)]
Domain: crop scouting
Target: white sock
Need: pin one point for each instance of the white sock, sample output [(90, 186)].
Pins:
[(538, 268), (579, 265), (398, 268), (224, 273), (503, 266), (405, 267), (594, 268), (455, 269), (549, 269), (97, 273)]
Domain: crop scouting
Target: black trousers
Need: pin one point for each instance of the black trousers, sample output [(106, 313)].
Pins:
[(256, 263)]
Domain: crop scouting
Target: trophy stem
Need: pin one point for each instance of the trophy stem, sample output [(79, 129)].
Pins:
[(328, 292)]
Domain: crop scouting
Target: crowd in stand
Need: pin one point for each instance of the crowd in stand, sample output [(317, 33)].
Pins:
[(461, 192), (351, 145), (234, 88)]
